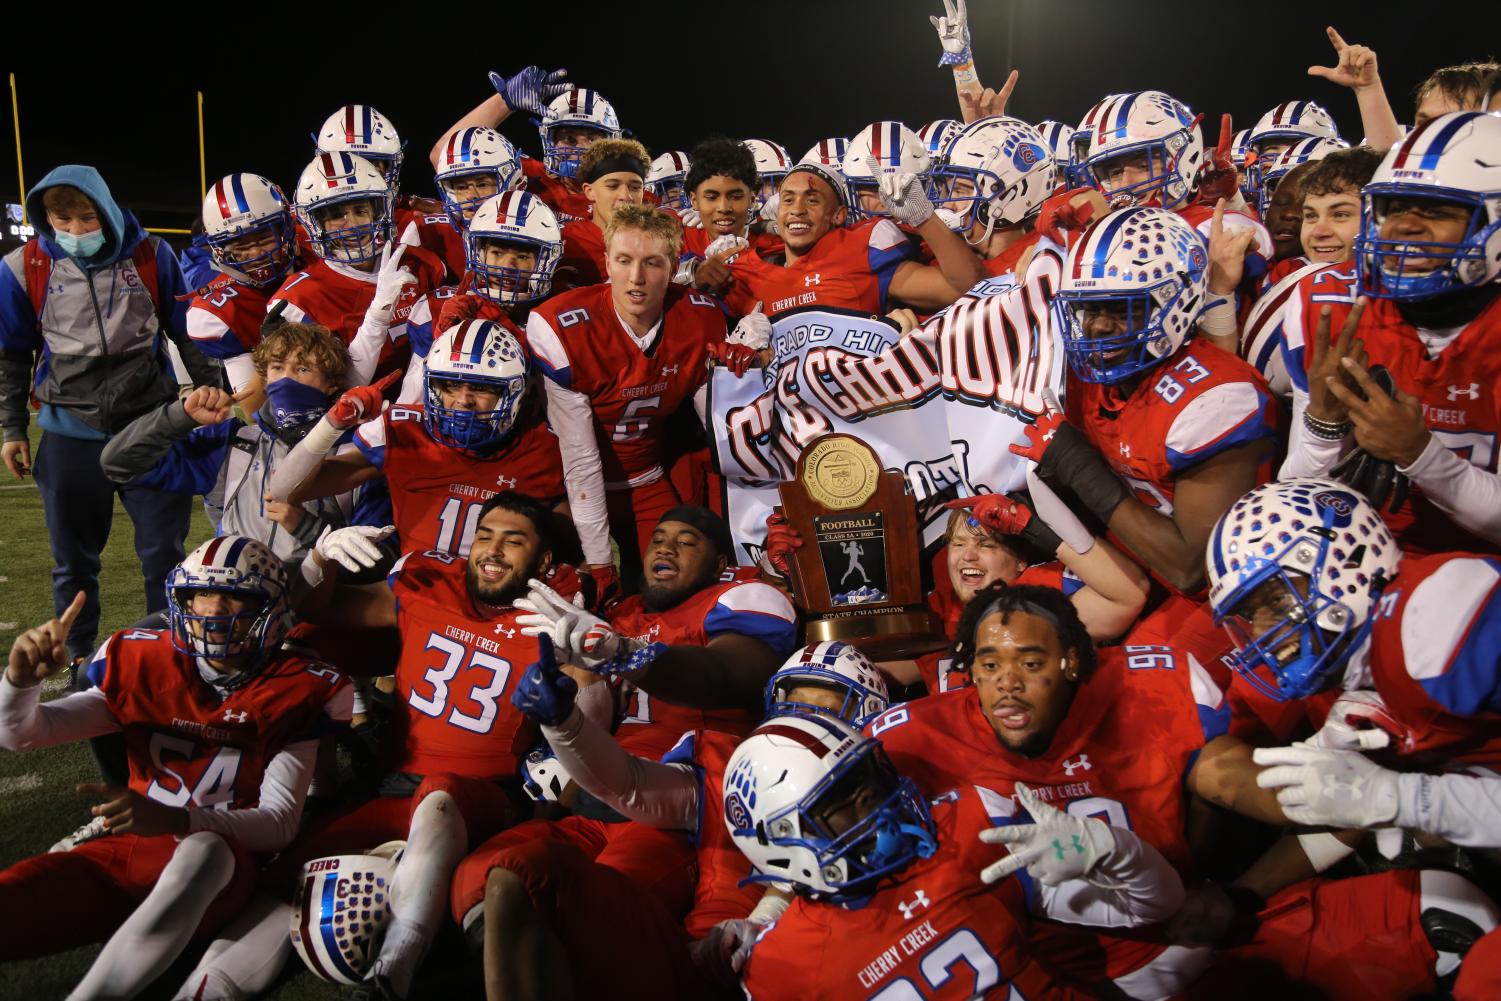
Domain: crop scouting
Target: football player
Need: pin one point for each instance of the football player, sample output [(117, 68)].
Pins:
[(473, 437), (247, 226), (892, 892), (667, 179), (612, 172), (476, 164), (221, 725), (721, 186), (532, 894), (359, 285), (1277, 131), (620, 359), (458, 741), (1425, 270)]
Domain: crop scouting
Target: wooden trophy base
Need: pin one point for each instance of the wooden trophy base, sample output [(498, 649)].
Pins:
[(900, 634)]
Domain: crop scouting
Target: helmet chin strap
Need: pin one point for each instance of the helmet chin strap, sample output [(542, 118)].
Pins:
[(894, 838)]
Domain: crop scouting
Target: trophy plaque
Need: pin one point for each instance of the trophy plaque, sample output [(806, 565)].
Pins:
[(858, 575)]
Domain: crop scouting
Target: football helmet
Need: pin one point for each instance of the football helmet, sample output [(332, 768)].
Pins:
[(335, 179), (1451, 160), (829, 152), (667, 180), (1155, 126), (999, 172), (834, 665), (789, 789), (542, 775), (244, 570), (579, 108), (363, 131), (237, 206), (1287, 123), (1148, 268), (480, 352), (342, 909), (515, 217), (475, 152), (1315, 556), (1268, 174), (892, 145), (1076, 174), (772, 164), (1058, 137), (936, 136)]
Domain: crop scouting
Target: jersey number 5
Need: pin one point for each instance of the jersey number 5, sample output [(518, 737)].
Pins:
[(484, 696)]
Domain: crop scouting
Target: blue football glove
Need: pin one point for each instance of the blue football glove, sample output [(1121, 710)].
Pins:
[(531, 90), (545, 694)]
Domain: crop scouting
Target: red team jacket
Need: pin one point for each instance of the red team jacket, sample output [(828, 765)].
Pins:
[(187, 746), (1460, 389), (934, 931), (582, 344), (749, 608), (437, 491), (454, 680)]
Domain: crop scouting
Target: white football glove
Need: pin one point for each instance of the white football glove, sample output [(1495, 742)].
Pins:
[(691, 219), (1341, 730), (768, 213), (389, 281), (753, 330), (902, 193), (721, 954), (1055, 848), (578, 637), (729, 242), (353, 547), (1319, 788), (953, 33)]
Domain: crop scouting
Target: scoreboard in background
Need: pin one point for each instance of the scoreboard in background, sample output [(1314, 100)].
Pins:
[(16, 231)]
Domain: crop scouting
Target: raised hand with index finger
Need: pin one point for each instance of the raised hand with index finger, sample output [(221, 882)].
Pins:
[(544, 694), (40, 652)]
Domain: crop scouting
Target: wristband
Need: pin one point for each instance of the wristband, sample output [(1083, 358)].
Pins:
[(1327, 430), (312, 571), (1218, 317), (322, 437)]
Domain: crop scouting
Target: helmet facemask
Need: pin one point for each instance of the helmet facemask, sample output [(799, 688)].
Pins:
[(1142, 341), (1404, 269), (511, 285), (263, 269), (472, 430), (355, 244)]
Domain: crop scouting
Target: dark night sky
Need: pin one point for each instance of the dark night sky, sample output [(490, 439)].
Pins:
[(785, 70)]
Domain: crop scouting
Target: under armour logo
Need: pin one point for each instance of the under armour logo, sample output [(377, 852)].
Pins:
[(509, 482), (236, 717), (1125, 450), (1082, 761), (1048, 434), (1077, 847), (669, 370), (1472, 393), (921, 900), (501, 629), (811, 280)]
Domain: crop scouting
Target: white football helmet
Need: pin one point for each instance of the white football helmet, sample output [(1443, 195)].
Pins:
[(245, 205), (1286, 124), (1454, 159), (1152, 125), (1059, 138), (246, 571), (1330, 552), (837, 666), (1077, 173), (342, 909), (667, 180), (936, 136), (579, 108), (829, 152), (543, 776), (783, 782), (1148, 268), (1269, 174), (472, 153), (478, 352), (520, 218), (893, 145), (772, 164), (330, 183), (999, 172), (363, 131)]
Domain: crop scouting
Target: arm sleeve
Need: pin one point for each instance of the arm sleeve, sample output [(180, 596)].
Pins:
[(1132, 886), (1464, 491), (1307, 455), (26, 724), (145, 441), (639, 789), (241, 370), (271, 824), (1464, 809), (365, 349)]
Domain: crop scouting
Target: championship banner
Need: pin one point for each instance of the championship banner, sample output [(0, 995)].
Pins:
[(941, 405)]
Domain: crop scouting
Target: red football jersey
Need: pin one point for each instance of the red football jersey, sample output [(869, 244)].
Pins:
[(225, 317), (721, 866), (847, 269), (187, 746), (455, 676), (749, 608), (563, 195), (1005, 262), (935, 931), (1434, 649), (435, 234), (583, 345), (583, 261), (1460, 389), (437, 491)]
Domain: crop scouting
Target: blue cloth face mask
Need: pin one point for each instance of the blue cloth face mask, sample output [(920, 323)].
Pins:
[(86, 245), (295, 407)]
